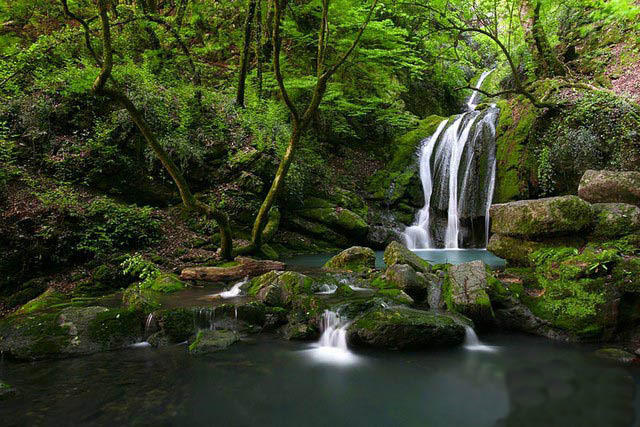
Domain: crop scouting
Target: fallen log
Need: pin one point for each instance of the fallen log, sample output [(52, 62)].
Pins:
[(247, 267)]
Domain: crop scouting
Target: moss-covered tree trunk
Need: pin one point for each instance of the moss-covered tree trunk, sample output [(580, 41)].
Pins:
[(546, 62), (246, 52)]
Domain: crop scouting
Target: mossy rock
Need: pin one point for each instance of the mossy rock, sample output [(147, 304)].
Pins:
[(404, 329), (300, 332), (316, 229), (602, 186), (138, 298), (397, 253), (338, 219), (116, 328), (178, 324), (278, 288), (34, 336), (465, 290), (405, 278), (164, 283), (613, 220), (626, 275), (515, 251), (542, 217), (208, 342), (7, 391), (50, 299), (356, 259), (615, 355)]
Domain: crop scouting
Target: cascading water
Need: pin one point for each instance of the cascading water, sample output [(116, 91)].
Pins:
[(457, 170), (332, 346), (471, 341)]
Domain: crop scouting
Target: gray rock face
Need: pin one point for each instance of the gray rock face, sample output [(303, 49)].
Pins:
[(356, 258), (405, 328), (613, 220), (397, 253), (541, 217), (380, 236), (406, 278), (466, 290), (208, 342), (610, 187)]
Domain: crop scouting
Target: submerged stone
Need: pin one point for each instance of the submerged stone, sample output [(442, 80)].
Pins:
[(208, 342), (610, 187), (615, 354), (356, 258), (541, 217), (404, 328)]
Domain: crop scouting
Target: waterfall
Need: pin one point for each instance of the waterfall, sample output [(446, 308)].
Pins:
[(471, 341), (233, 292), (332, 346), (457, 171)]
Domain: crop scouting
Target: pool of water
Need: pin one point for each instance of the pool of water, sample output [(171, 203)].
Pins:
[(526, 381), (434, 256)]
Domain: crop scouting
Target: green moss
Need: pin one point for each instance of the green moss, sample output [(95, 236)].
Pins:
[(45, 337), (164, 283), (116, 327), (50, 298), (381, 283), (177, 324), (627, 275), (356, 258)]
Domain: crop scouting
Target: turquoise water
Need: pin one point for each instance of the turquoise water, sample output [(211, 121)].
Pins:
[(434, 256), (527, 381)]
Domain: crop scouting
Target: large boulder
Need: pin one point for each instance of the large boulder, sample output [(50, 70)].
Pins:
[(610, 187), (397, 253), (415, 284), (613, 220), (71, 332), (208, 342), (405, 328), (279, 288), (338, 218), (356, 258), (541, 217), (515, 251), (465, 290)]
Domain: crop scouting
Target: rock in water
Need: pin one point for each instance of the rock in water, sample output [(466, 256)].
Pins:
[(405, 328), (356, 258), (278, 288), (613, 220), (551, 216), (615, 355), (208, 342), (610, 187), (397, 253), (466, 290), (404, 277)]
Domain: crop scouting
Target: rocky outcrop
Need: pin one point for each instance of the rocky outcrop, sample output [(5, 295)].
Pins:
[(610, 187), (243, 267), (356, 258), (405, 328), (465, 290), (278, 289), (551, 216), (397, 253)]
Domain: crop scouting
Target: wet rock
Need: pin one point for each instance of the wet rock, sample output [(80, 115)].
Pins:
[(407, 279), (177, 324), (70, 332), (397, 253), (49, 299), (610, 187), (278, 288), (380, 237), (434, 294), (405, 328), (615, 354), (465, 290), (356, 258), (338, 218), (208, 342), (541, 217), (300, 332), (613, 220), (159, 339), (515, 251)]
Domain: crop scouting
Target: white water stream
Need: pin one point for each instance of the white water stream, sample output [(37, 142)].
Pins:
[(441, 163), (332, 346)]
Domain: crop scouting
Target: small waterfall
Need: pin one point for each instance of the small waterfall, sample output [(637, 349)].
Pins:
[(234, 291), (334, 331), (332, 346), (457, 171), (472, 343)]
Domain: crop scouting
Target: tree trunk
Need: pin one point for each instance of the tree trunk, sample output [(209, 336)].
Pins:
[(247, 267), (546, 62), (259, 53), (246, 52)]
